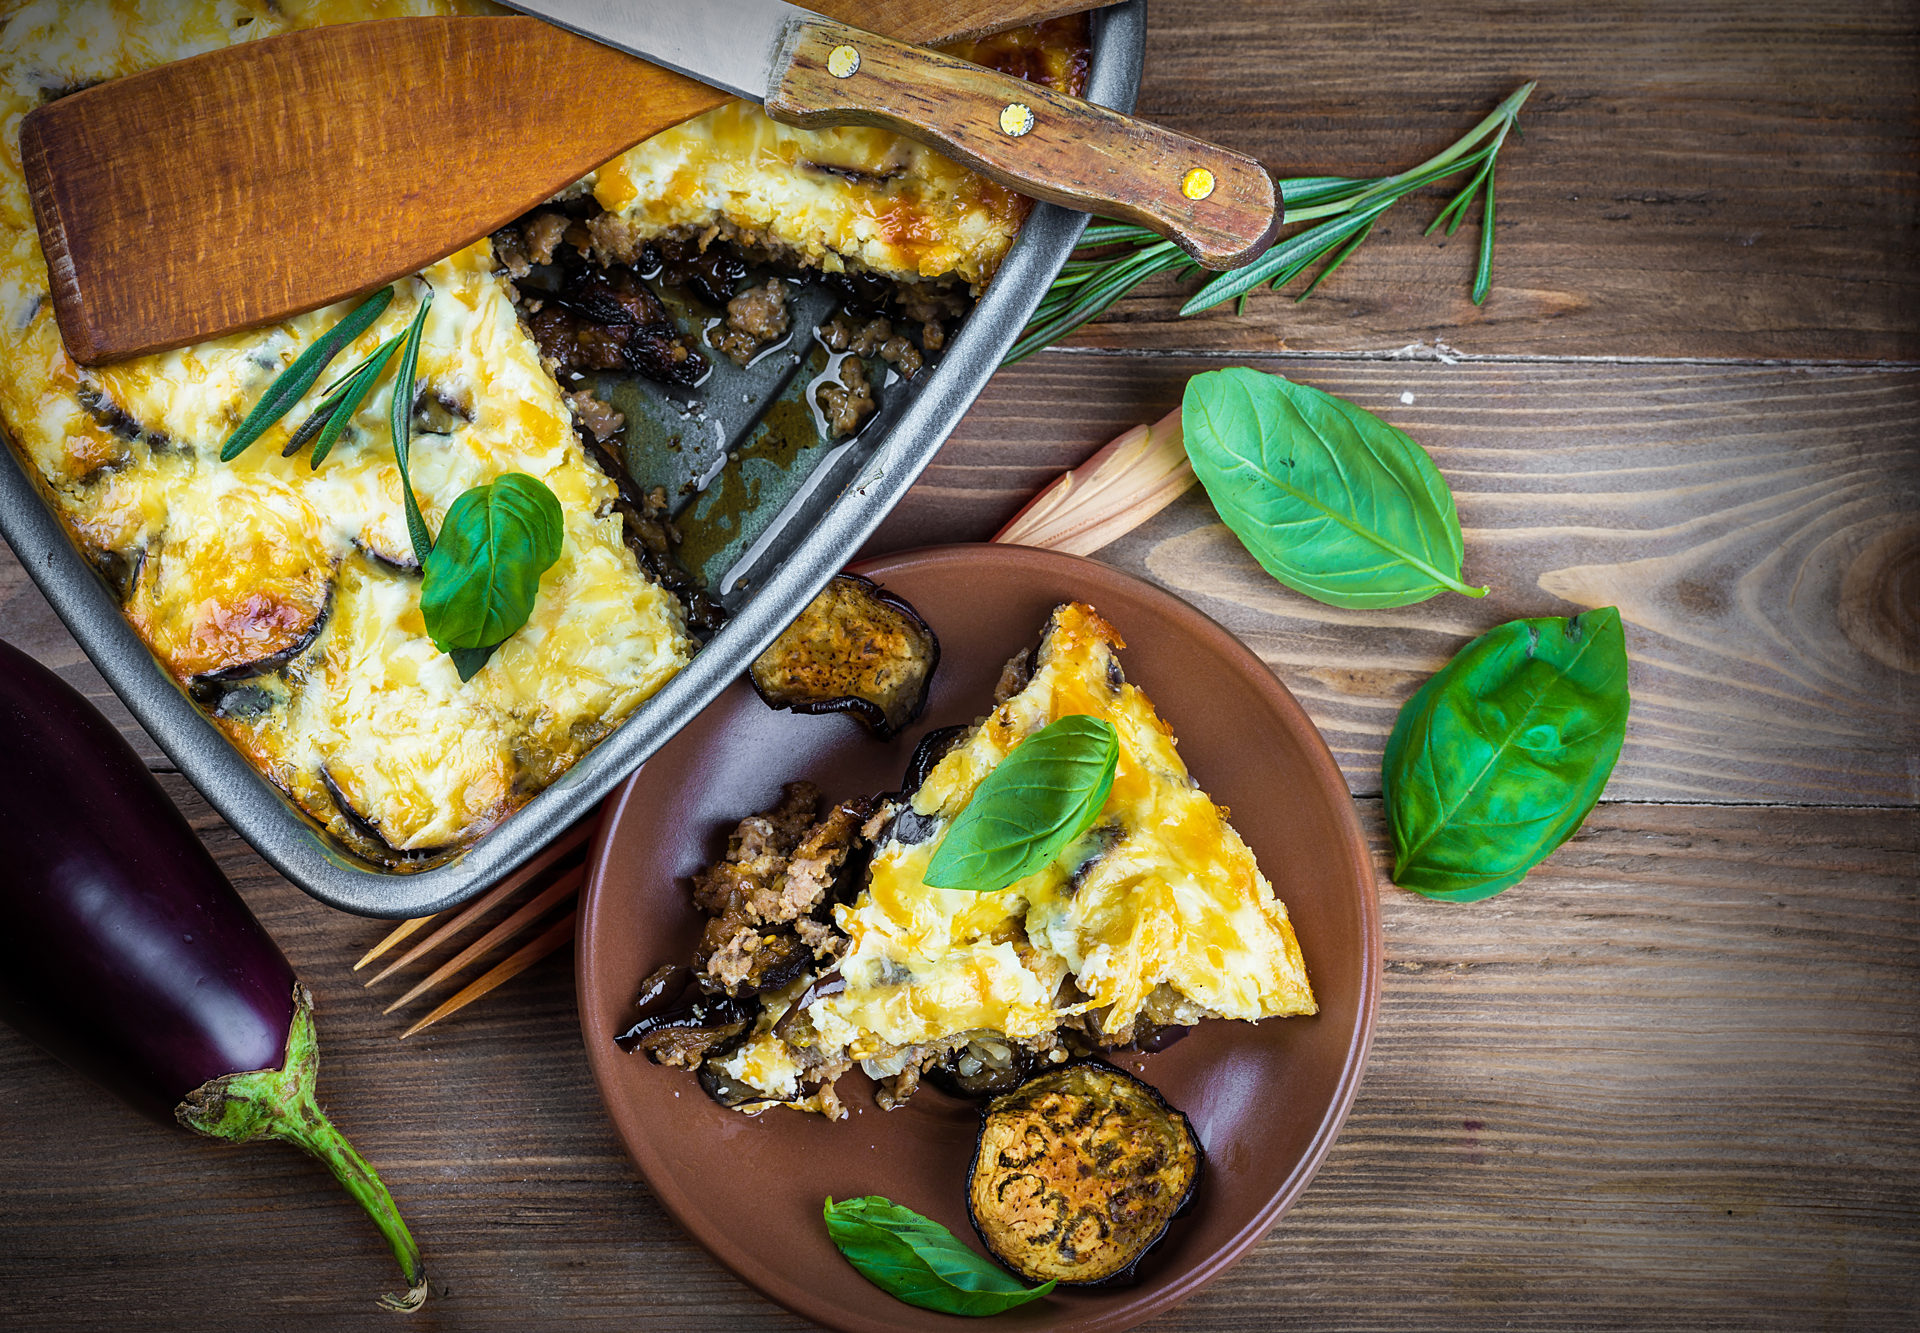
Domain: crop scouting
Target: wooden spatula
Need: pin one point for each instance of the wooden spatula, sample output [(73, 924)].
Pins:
[(270, 178)]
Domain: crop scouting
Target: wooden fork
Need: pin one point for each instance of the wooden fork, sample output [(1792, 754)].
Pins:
[(550, 881), (1113, 492)]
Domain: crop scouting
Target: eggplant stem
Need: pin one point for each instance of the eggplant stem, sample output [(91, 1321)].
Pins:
[(280, 1104)]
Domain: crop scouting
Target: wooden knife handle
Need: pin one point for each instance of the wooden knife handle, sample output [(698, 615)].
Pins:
[(1216, 205)]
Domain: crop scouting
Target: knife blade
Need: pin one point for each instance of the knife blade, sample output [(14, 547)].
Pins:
[(725, 43), (383, 146), (808, 70)]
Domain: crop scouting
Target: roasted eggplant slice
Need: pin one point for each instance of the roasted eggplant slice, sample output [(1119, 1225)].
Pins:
[(1078, 1172), (238, 591), (735, 1095), (987, 1065), (856, 649), (684, 1031), (363, 835), (933, 747)]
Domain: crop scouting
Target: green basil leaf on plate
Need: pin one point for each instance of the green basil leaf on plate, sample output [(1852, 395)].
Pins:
[(918, 1261), (1331, 500), (1497, 759), (480, 579), (1037, 800)]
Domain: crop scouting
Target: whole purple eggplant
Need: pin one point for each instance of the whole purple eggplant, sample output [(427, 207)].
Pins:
[(126, 953)]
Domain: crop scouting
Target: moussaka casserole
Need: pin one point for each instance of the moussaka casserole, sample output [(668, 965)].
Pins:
[(827, 948), (286, 595)]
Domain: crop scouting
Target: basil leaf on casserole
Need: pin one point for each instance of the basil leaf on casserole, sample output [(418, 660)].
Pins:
[(484, 571)]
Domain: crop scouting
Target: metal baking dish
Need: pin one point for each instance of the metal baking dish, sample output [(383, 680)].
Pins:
[(817, 530)]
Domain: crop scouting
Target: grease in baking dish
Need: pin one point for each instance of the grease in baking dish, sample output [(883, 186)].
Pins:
[(286, 599)]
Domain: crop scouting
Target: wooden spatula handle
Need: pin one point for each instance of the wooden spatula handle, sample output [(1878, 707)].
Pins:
[(258, 181), (1216, 205)]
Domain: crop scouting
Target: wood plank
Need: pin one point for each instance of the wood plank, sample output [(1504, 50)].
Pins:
[(1756, 525), (1665, 1081), (1759, 528), (1733, 178)]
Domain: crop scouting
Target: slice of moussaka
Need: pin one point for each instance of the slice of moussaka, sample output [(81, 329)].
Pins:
[(285, 597), (1155, 918)]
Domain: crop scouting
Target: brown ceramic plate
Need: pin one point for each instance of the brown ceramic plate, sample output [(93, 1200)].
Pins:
[(1267, 1099)]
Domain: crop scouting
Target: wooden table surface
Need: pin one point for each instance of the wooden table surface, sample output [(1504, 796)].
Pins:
[(1669, 1081)]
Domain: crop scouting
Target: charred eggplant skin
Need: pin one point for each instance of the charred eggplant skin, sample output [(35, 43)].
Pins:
[(933, 747), (857, 649), (1078, 1172)]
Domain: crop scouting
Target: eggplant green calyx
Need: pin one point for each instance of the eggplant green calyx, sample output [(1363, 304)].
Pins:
[(280, 1104)]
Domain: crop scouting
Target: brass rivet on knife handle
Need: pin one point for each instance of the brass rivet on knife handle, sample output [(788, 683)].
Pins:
[(1218, 206), (346, 156), (843, 62)]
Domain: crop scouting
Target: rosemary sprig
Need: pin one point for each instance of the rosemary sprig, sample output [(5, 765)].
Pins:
[(344, 396), (402, 420), (293, 382), (340, 404), (1343, 211)]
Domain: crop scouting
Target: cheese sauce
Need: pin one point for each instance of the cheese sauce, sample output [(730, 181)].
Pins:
[(297, 588), (1161, 891)]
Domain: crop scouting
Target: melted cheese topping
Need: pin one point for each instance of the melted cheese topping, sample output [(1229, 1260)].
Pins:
[(1160, 893), (267, 564), (304, 580), (848, 197)]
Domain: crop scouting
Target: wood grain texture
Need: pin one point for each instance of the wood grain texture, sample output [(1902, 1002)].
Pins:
[(1044, 144), (1720, 179), (322, 134), (305, 135), (1664, 1083), (1759, 528)]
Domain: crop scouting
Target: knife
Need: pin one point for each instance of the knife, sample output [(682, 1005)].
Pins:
[(254, 183), (812, 71)]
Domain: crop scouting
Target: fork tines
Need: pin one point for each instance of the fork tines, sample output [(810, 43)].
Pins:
[(554, 876)]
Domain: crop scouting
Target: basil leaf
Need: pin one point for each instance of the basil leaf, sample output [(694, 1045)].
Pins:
[(1038, 799), (401, 417), (479, 581), (1497, 759), (1331, 500), (291, 385), (918, 1261), (468, 661)]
